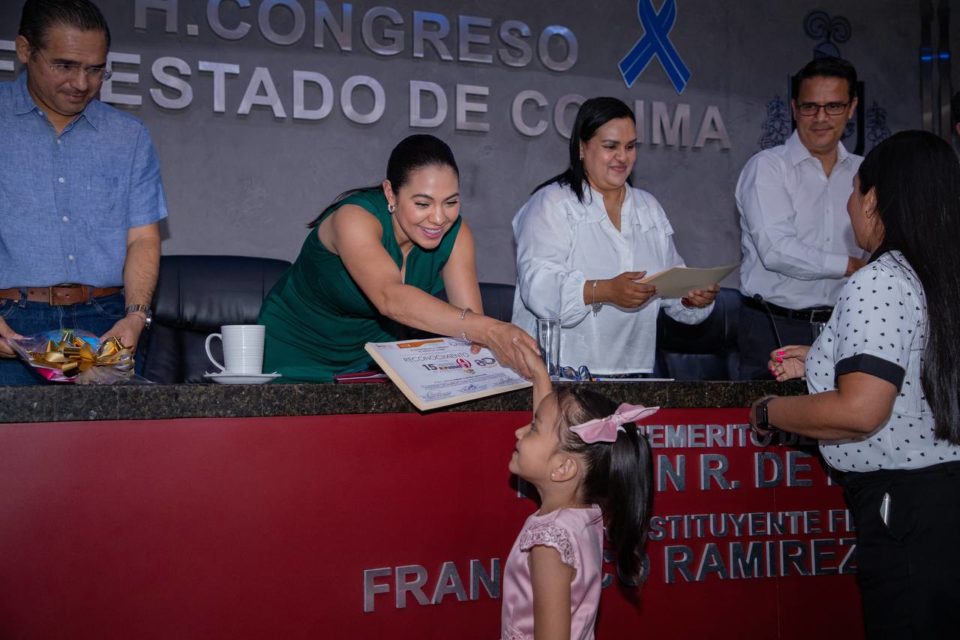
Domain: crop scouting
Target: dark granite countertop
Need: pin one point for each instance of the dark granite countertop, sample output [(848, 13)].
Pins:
[(61, 402)]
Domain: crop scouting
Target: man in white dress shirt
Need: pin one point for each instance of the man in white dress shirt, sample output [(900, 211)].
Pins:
[(797, 241)]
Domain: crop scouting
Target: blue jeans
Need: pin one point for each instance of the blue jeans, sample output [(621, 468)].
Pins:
[(97, 316)]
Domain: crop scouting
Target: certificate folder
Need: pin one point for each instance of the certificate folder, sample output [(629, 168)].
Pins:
[(437, 372), (356, 377), (676, 282)]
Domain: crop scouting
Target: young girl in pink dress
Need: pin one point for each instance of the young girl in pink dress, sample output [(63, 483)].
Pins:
[(591, 467)]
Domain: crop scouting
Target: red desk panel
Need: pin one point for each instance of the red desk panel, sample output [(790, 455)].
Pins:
[(281, 527)]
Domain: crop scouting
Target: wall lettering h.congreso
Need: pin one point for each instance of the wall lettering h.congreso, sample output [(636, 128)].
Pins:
[(308, 94)]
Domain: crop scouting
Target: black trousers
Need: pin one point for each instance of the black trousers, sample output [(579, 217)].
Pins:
[(909, 567), (756, 339)]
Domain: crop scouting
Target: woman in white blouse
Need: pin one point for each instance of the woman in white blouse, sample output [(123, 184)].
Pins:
[(884, 382), (584, 241)]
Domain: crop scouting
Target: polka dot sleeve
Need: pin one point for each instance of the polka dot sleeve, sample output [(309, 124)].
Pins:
[(880, 319)]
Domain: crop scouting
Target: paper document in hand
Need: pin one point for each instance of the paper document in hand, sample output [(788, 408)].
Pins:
[(676, 282), (437, 372)]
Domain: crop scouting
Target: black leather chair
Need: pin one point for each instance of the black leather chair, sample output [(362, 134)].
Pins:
[(705, 351), (497, 300), (196, 295)]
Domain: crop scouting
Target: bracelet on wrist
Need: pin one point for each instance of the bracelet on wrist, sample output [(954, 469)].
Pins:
[(463, 314)]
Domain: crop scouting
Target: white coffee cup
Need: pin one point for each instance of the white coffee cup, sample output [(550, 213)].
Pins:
[(242, 349)]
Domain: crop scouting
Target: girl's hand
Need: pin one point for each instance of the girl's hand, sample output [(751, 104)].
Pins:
[(506, 341), (699, 298), (542, 384), (625, 290), (788, 362), (533, 361)]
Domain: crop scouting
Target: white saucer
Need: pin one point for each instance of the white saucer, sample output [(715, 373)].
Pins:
[(223, 377)]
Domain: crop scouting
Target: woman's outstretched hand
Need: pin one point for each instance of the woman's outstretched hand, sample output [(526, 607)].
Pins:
[(506, 340), (787, 363)]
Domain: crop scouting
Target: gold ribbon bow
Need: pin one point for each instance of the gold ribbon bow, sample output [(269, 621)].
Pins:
[(73, 355)]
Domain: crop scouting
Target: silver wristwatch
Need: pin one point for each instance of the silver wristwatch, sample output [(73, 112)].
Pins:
[(141, 308)]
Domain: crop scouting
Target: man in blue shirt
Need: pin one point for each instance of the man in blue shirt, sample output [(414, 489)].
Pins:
[(80, 190)]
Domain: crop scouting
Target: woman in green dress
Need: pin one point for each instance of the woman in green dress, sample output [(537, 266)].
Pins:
[(372, 264)]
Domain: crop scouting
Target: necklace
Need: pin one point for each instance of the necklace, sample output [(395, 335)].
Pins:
[(614, 215)]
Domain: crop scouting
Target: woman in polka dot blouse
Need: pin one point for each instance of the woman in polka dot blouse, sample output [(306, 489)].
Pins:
[(884, 382)]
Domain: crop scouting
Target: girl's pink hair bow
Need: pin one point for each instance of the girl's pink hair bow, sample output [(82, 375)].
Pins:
[(606, 429)]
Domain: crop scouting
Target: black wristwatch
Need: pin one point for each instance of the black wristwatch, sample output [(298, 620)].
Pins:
[(761, 418), (141, 308)]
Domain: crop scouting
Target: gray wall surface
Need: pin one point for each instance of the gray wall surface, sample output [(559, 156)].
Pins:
[(248, 158)]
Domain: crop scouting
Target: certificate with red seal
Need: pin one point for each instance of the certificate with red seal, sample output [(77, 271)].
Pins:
[(437, 372)]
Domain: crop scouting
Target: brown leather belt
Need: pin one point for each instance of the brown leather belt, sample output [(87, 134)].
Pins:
[(61, 294)]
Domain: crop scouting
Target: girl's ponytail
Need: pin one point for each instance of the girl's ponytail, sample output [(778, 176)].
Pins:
[(628, 502)]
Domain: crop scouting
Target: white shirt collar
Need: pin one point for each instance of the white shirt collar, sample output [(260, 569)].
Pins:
[(798, 153)]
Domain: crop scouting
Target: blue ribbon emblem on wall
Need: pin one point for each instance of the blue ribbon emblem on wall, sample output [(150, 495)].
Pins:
[(655, 43)]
